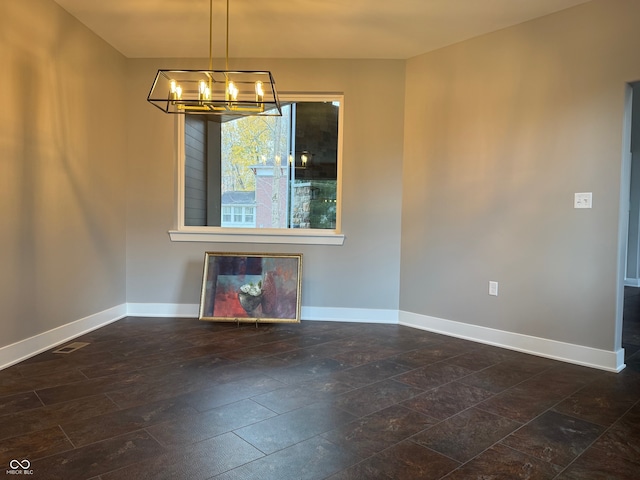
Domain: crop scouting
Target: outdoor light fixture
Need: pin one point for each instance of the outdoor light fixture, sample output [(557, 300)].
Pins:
[(216, 92)]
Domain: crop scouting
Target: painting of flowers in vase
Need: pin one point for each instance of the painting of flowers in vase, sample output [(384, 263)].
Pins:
[(251, 287)]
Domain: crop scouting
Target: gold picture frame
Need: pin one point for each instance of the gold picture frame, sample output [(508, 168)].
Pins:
[(251, 287)]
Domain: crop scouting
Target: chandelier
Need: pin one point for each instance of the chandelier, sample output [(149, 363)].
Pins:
[(216, 92)]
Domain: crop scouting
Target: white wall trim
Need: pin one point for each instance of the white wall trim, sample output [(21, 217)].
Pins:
[(356, 315), (591, 357), (329, 314), (23, 349), (632, 282), (189, 310), (612, 361), (245, 235)]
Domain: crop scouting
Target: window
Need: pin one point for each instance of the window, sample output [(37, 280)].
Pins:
[(248, 214), (226, 214), (256, 176), (238, 216), (238, 209)]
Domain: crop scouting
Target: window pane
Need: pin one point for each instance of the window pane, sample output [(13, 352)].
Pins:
[(226, 214), (275, 172), (237, 214), (248, 214)]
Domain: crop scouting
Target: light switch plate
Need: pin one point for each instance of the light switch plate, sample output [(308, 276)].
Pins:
[(583, 200)]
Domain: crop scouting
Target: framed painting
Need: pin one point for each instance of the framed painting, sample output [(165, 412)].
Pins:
[(251, 287)]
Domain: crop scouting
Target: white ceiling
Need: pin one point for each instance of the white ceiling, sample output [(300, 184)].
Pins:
[(396, 29)]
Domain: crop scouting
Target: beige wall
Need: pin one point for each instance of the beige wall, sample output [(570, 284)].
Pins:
[(500, 131), (62, 157), (363, 273)]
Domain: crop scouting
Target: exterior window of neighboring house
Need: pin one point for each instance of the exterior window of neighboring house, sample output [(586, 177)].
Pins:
[(248, 215), (226, 214), (238, 216), (238, 210), (264, 172)]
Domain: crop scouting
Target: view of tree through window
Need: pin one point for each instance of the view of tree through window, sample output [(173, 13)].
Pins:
[(264, 172)]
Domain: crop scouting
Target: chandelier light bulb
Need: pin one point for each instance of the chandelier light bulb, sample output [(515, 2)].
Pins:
[(175, 90), (259, 91), (204, 92), (232, 91)]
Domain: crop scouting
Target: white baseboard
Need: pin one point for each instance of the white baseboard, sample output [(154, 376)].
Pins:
[(356, 315), (16, 352), (188, 310), (632, 282), (567, 352), (364, 315), (612, 361)]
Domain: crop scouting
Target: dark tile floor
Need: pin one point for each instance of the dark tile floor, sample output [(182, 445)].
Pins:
[(182, 399)]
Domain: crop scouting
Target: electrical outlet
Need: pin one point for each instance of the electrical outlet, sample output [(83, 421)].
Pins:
[(493, 289)]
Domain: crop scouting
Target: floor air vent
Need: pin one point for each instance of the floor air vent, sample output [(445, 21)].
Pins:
[(72, 347)]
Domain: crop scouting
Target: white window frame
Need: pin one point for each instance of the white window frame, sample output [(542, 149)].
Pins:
[(242, 211), (305, 236), (230, 213), (245, 214)]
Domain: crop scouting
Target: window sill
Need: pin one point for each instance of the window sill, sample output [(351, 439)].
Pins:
[(242, 235)]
